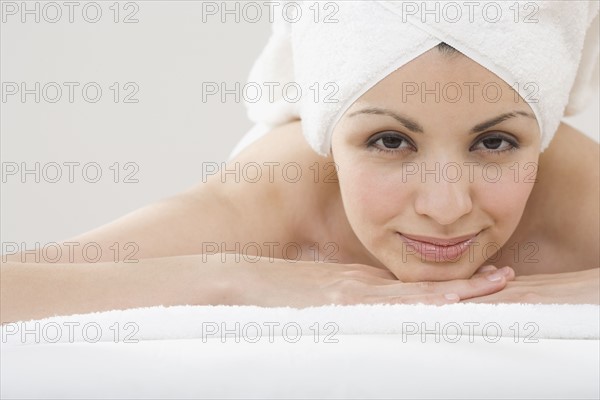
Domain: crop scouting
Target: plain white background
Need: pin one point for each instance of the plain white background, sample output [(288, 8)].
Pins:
[(168, 54), (165, 136)]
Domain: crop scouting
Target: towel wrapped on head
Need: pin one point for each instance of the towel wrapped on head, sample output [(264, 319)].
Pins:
[(547, 51)]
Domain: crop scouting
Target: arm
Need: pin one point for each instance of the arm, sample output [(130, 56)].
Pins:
[(35, 291), (580, 287)]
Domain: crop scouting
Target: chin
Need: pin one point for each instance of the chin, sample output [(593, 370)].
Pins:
[(419, 266), (419, 271)]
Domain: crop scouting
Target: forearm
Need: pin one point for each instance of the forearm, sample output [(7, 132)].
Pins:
[(33, 291), (580, 287)]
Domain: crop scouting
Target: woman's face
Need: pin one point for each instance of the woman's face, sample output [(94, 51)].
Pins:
[(435, 165)]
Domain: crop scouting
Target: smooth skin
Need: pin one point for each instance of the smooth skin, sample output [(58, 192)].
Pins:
[(182, 240)]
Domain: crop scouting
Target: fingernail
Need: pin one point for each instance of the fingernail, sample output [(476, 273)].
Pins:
[(452, 296), (496, 276), (505, 271), (487, 268)]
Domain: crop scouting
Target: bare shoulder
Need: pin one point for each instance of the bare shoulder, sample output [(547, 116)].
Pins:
[(289, 167), (562, 211), (248, 200), (572, 152), (284, 143), (569, 179), (575, 161), (294, 180), (240, 205)]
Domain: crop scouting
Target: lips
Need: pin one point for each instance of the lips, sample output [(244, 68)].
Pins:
[(437, 249), (439, 242)]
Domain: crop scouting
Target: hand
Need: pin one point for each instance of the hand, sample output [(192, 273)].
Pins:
[(304, 284), (581, 287)]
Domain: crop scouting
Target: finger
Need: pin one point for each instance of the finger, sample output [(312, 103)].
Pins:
[(484, 284), (367, 277), (372, 271), (511, 275), (484, 269), (429, 299), (484, 300)]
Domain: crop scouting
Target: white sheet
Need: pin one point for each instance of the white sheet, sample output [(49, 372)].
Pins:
[(363, 363)]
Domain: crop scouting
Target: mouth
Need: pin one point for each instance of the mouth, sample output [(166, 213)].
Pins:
[(438, 249)]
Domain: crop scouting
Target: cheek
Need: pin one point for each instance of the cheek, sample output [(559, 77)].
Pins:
[(504, 200), (373, 196)]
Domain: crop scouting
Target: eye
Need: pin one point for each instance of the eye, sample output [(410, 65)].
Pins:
[(390, 142), (496, 143)]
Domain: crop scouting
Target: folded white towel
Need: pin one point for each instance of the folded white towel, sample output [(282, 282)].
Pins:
[(522, 322), (552, 44)]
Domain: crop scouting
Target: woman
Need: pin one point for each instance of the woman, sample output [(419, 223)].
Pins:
[(422, 201)]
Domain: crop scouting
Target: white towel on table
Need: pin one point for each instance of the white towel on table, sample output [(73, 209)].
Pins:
[(519, 321)]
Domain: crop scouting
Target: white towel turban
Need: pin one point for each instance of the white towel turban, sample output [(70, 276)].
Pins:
[(552, 44)]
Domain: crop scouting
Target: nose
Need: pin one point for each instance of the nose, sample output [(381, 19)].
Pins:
[(443, 200)]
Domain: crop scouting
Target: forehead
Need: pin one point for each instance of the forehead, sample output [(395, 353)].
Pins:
[(445, 85)]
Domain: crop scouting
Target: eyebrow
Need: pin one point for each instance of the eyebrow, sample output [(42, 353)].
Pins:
[(415, 127), (495, 121), (405, 121)]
